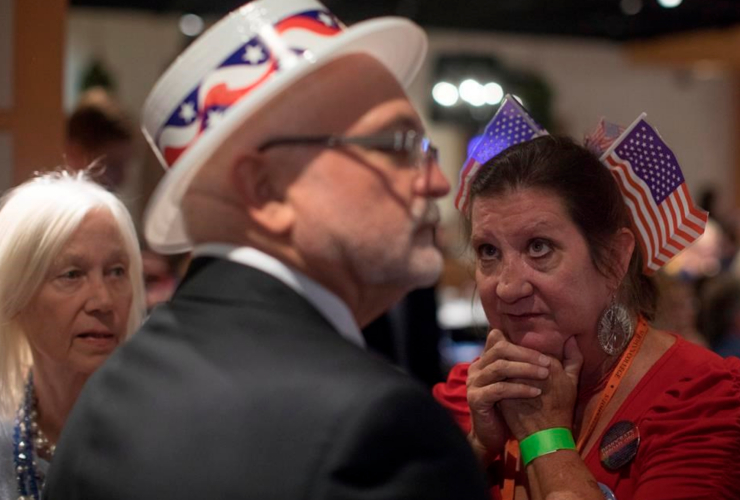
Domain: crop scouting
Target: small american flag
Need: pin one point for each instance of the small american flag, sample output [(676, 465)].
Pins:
[(510, 125), (602, 137), (654, 189)]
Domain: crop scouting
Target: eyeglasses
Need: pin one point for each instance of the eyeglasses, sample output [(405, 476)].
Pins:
[(411, 147)]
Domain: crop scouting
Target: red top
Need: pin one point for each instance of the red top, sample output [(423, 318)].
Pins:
[(687, 409)]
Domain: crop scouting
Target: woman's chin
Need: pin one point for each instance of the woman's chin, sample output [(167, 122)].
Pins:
[(549, 343)]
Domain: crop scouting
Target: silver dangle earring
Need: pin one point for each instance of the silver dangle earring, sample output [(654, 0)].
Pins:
[(615, 328)]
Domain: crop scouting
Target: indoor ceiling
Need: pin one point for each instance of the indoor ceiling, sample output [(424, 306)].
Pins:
[(609, 19)]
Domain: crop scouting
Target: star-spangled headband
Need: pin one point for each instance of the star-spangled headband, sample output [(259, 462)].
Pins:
[(646, 170)]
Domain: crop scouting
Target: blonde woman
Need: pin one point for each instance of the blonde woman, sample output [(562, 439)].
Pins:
[(71, 291)]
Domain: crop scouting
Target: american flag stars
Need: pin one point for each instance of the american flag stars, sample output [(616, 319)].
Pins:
[(655, 192), (659, 172), (509, 126)]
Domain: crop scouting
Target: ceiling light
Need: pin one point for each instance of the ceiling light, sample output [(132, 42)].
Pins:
[(493, 93), (445, 94), (472, 92), (631, 7), (191, 25), (669, 4)]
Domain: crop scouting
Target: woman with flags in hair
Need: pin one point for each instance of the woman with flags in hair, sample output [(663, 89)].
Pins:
[(71, 291), (575, 395)]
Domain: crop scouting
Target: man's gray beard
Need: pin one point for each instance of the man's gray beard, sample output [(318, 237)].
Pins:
[(413, 273)]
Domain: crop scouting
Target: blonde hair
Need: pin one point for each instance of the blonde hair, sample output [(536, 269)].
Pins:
[(37, 218)]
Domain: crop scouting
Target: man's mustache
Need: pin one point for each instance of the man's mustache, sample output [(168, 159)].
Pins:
[(429, 215)]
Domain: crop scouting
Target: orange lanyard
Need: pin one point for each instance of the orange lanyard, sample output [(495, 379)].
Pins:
[(628, 356), (512, 466), (512, 463)]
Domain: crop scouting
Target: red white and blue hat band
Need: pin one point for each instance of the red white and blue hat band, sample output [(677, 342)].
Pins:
[(248, 67)]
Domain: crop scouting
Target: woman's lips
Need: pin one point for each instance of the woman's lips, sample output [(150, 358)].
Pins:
[(523, 315), (95, 334), (98, 339)]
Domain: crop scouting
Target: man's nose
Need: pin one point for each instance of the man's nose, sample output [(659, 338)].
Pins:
[(432, 183)]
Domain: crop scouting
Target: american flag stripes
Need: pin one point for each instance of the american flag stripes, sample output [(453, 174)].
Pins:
[(509, 126), (654, 189), (602, 137)]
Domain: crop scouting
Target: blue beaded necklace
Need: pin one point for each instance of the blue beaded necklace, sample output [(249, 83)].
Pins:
[(28, 443)]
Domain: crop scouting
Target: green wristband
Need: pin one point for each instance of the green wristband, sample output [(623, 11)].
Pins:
[(544, 442)]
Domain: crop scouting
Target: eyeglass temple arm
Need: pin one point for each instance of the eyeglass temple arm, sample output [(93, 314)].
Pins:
[(285, 141), (399, 141)]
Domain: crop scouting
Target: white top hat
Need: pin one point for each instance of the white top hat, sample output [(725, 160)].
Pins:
[(235, 67)]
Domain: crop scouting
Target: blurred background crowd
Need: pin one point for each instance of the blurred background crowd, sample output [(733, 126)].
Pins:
[(73, 77)]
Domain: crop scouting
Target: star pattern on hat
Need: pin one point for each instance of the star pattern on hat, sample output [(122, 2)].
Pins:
[(254, 54), (245, 68), (326, 19), (215, 116), (187, 111)]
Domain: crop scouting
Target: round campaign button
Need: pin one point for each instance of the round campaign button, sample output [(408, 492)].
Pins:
[(619, 445), (608, 494)]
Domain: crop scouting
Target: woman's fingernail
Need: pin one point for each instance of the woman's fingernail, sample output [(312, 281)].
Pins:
[(536, 391), (542, 372), (544, 360)]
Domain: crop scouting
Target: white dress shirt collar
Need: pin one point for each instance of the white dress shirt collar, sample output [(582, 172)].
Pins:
[(329, 305)]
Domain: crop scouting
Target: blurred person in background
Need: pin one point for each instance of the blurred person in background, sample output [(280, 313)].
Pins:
[(727, 225), (71, 292), (703, 259), (719, 317), (99, 133), (576, 396), (678, 308), (162, 273)]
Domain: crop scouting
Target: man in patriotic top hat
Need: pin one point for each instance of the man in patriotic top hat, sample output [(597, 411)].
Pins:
[(299, 174)]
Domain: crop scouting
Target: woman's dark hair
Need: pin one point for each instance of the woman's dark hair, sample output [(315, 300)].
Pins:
[(590, 195)]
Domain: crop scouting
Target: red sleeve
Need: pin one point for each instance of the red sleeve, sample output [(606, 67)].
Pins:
[(692, 437), (453, 395)]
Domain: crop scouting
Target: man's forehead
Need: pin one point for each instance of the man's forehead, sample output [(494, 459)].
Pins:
[(354, 94), (396, 114)]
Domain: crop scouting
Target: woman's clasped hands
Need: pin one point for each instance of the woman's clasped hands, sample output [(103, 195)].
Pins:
[(515, 391)]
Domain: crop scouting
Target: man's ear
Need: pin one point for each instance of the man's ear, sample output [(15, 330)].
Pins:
[(262, 195)]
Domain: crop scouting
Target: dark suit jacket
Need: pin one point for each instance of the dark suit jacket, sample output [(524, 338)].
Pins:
[(239, 388)]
